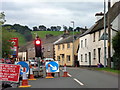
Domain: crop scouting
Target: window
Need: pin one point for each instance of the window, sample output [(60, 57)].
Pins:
[(63, 46), (58, 47), (58, 58), (48, 49), (85, 57), (68, 58), (93, 37), (81, 43), (68, 45), (85, 42), (81, 58), (94, 54)]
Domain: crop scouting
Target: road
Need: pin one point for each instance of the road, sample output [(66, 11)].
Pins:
[(79, 78)]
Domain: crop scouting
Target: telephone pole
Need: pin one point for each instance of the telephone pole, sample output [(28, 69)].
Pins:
[(73, 44), (109, 36), (104, 33)]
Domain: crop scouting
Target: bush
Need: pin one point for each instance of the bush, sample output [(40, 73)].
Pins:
[(116, 47)]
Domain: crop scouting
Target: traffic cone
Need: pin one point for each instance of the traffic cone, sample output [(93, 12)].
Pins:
[(24, 80), (65, 72), (31, 74), (49, 74)]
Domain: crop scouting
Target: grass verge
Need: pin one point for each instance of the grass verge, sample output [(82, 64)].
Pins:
[(108, 70)]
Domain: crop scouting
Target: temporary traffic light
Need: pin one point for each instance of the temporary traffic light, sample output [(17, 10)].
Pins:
[(38, 52)]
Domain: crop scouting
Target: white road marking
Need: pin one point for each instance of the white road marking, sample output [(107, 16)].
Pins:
[(78, 81), (69, 75)]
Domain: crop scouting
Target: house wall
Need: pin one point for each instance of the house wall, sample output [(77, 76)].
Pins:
[(48, 50), (22, 56), (66, 52), (83, 54), (97, 44), (31, 53)]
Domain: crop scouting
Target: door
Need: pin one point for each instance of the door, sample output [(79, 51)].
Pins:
[(89, 58), (62, 59), (99, 51)]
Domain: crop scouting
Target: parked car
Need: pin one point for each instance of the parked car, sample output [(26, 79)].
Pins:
[(47, 60), (33, 62)]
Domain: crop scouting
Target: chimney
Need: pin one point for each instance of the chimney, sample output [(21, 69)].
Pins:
[(113, 2), (99, 16), (66, 32)]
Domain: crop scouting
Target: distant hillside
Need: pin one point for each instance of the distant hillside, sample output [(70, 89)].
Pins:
[(21, 38), (24, 30), (42, 34)]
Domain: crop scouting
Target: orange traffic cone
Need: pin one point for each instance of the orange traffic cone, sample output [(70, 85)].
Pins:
[(65, 72), (24, 80), (31, 74), (49, 74)]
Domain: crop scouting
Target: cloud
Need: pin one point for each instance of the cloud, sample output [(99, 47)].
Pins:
[(35, 12)]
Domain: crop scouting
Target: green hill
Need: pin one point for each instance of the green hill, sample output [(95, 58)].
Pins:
[(42, 34), (21, 38)]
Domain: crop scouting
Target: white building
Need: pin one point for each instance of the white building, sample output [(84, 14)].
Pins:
[(91, 48)]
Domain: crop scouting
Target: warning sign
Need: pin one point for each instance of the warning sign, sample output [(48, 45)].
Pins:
[(9, 72)]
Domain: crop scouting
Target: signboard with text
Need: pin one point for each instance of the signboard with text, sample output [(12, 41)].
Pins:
[(9, 72), (14, 49)]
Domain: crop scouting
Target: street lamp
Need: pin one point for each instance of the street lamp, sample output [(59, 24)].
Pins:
[(73, 43)]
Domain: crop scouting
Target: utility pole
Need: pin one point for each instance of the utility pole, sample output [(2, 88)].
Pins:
[(104, 33), (109, 36), (73, 44), (2, 21)]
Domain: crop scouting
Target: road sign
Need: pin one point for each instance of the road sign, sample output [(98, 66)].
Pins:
[(54, 66), (14, 49), (23, 64), (9, 72)]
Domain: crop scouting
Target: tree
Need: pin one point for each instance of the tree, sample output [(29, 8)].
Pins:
[(35, 28), (6, 36), (2, 18), (70, 29), (116, 47), (53, 28), (58, 28), (42, 28), (65, 28)]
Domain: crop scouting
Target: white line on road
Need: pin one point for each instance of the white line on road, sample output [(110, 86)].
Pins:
[(78, 81), (69, 75)]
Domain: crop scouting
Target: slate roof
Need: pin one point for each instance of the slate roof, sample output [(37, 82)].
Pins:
[(68, 39)]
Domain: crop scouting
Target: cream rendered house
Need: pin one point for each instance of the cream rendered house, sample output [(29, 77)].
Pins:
[(91, 50), (64, 51)]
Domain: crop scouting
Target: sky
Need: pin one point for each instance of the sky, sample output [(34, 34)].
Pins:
[(51, 12)]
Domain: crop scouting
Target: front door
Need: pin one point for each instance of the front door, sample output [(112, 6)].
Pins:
[(99, 50), (63, 60), (89, 58)]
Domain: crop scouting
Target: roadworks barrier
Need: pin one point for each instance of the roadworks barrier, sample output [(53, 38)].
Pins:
[(24, 80)]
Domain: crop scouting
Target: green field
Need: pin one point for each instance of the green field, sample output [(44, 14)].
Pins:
[(42, 34), (21, 38)]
